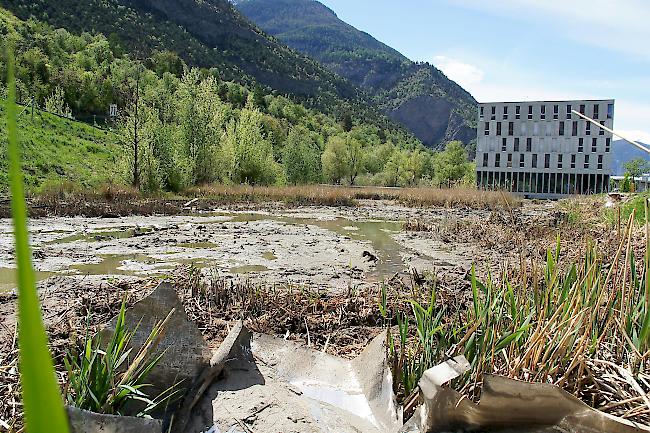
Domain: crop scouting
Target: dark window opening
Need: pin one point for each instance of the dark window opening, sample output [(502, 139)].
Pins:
[(568, 111), (600, 162), (494, 113), (594, 145), (504, 144), (559, 161), (547, 160), (485, 159), (574, 128), (582, 108), (497, 160), (529, 145), (586, 161), (608, 144), (530, 112), (573, 161), (521, 161), (487, 128), (588, 129), (510, 160), (517, 144), (596, 111), (505, 113), (556, 111), (561, 131), (543, 111), (581, 144), (534, 160), (498, 128), (601, 131), (610, 111), (511, 128), (517, 112)]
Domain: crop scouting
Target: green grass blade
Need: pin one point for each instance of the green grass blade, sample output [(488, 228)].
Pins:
[(42, 400)]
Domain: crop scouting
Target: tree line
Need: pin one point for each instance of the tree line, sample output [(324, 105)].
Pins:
[(181, 126)]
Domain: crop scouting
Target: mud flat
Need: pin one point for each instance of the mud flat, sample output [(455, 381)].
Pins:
[(333, 248)]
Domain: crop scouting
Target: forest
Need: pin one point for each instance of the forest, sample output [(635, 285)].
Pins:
[(179, 126)]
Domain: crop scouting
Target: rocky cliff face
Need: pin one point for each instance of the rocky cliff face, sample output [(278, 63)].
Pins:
[(417, 95)]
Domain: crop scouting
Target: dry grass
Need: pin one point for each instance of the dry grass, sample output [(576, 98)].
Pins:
[(330, 195)]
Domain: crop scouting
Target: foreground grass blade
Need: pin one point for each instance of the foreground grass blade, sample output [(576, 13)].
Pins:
[(42, 400)]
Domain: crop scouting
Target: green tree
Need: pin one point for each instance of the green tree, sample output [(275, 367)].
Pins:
[(353, 157), (451, 165), (636, 167), (334, 159), (301, 157), (55, 103)]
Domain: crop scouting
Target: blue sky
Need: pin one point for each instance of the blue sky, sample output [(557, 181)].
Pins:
[(506, 50)]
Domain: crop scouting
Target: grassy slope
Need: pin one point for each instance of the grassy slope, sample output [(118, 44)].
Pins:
[(56, 149)]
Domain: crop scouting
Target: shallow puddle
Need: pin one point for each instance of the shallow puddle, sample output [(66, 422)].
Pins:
[(248, 269), (8, 278)]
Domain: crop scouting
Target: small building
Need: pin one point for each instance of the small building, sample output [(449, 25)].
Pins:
[(542, 150), (641, 183)]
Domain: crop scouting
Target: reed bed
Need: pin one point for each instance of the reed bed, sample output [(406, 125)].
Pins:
[(584, 327), (330, 195)]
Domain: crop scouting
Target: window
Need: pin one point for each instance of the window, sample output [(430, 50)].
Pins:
[(510, 160), (517, 144), (547, 160), (610, 111), (504, 144), (480, 113), (518, 112), (574, 128), (485, 159), (535, 128), (581, 144), (561, 132), (586, 161), (494, 113), (521, 161), (600, 162), (608, 144), (588, 128), (530, 112), (534, 160), (595, 111), (568, 111), (511, 128), (498, 128), (543, 111), (487, 128), (559, 161), (582, 108), (573, 161), (497, 160), (601, 131), (505, 113), (529, 144), (556, 111), (594, 145)]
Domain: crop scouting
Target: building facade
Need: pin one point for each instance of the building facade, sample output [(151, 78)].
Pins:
[(542, 150)]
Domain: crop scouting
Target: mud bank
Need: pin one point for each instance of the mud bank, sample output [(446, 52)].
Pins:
[(333, 248)]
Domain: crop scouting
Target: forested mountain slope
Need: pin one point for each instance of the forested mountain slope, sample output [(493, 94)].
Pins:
[(208, 34), (417, 95)]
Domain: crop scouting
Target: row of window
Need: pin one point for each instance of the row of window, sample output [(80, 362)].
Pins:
[(577, 127), (555, 109), (517, 145), (547, 160)]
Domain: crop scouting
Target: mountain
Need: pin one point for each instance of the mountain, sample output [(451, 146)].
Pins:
[(209, 34), (622, 152), (417, 95)]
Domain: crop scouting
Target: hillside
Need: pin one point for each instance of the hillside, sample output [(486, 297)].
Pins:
[(55, 148), (207, 34), (417, 95), (622, 152)]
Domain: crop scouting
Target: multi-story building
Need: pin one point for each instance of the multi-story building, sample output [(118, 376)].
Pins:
[(543, 150)]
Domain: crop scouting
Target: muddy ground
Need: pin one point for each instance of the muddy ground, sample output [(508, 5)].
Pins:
[(332, 247)]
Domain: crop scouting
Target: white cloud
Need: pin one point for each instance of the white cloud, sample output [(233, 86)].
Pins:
[(465, 74), (621, 25)]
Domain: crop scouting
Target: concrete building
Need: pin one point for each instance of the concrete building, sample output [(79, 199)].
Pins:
[(542, 150)]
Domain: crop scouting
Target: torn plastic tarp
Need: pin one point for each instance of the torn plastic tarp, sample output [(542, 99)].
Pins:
[(274, 385), (508, 405)]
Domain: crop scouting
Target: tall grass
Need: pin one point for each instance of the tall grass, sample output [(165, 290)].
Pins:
[(42, 400), (559, 323)]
